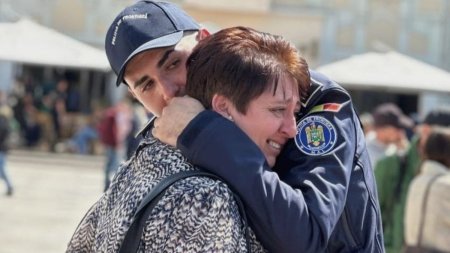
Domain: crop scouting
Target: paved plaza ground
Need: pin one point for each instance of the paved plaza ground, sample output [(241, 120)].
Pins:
[(52, 193)]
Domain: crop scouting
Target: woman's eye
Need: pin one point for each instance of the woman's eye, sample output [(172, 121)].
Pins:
[(278, 110)]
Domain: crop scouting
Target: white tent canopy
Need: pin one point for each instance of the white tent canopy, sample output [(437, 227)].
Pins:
[(387, 71), (28, 42)]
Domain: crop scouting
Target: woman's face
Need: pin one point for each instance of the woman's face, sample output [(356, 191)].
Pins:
[(270, 118)]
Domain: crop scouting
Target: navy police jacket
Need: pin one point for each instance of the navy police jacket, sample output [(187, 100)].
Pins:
[(321, 195)]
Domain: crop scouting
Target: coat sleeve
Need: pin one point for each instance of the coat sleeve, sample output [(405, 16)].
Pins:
[(295, 217)]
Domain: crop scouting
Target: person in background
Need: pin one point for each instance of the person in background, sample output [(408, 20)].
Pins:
[(366, 122), (5, 130), (394, 174), (389, 132), (59, 109), (26, 114), (85, 134), (112, 129), (139, 118), (427, 220)]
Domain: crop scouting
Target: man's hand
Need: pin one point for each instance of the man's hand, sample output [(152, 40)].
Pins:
[(174, 118)]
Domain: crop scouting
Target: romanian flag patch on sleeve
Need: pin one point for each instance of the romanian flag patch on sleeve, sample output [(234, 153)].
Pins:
[(328, 107)]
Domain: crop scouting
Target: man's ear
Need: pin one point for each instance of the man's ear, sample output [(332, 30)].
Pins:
[(202, 33), (221, 105)]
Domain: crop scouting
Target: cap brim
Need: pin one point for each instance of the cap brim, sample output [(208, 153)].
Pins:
[(164, 41)]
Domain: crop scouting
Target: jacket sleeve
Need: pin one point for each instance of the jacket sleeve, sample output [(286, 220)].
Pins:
[(294, 215)]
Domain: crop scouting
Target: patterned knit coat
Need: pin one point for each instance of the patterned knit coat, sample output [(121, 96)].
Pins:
[(196, 214)]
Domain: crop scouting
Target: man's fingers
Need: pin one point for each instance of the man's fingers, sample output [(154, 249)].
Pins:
[(174, 118)]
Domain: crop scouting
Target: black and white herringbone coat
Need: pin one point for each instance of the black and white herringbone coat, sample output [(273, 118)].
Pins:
[(196, 214)]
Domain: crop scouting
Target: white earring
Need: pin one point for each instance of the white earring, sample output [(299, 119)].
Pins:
[(230, 118)]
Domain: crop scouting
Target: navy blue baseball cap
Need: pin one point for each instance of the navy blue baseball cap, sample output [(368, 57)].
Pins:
[(142, 26)]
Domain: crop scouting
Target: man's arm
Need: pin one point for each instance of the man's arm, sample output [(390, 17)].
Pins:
[(284, 219)]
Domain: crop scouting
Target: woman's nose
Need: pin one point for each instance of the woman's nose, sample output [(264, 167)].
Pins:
[(289, 127)]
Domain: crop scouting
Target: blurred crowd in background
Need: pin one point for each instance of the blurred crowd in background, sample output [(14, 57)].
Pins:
[(407, 156), (47, 117)]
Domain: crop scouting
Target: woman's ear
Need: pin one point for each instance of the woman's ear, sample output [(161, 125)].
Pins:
[(221, 105), (202, 33)]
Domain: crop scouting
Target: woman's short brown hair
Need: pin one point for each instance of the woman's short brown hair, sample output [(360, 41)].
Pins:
[(240, 63)]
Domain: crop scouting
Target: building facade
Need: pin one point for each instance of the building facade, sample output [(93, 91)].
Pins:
[(324, 30), (327, 30)]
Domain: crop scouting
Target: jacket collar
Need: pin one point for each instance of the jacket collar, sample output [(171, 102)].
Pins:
[(433, 168), (148, 126)]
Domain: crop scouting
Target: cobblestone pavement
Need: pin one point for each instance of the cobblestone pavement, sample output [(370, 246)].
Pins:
[(52, 193)]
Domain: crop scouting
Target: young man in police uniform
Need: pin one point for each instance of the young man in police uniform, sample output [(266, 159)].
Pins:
[(328, 200)]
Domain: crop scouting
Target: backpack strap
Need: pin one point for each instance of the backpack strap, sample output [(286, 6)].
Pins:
[(424, 208), (134, 233)]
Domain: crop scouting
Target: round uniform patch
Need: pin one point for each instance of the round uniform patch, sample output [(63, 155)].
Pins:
[(316, 135)]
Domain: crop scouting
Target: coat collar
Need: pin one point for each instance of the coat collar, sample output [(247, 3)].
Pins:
[(433, 168)]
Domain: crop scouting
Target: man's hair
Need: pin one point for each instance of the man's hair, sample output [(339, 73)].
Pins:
[(241, 63), (437, 146), (438, 117)]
